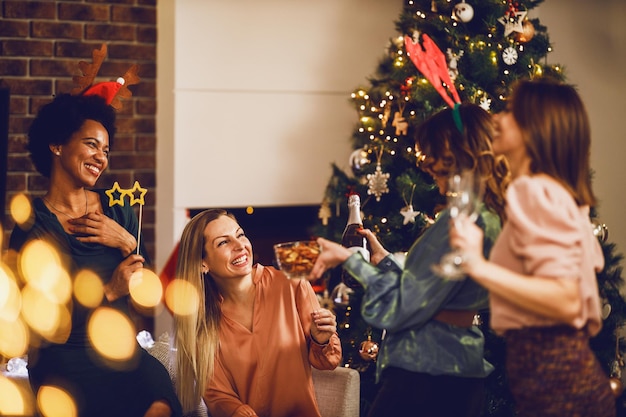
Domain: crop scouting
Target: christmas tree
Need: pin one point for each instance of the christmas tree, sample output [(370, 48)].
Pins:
[(486, 45)]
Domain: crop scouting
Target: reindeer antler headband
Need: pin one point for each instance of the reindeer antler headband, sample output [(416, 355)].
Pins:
[(111, 91), (431, 62)]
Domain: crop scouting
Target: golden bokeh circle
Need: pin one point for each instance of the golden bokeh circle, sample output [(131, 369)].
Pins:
[(182, 298), (12, 401), (88, 288), (21, 209), (145, 288), (14, 338), (55, 402), (112, 334)]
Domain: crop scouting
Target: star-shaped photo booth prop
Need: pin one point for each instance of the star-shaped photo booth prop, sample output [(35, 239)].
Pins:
[(116, 190), (130, 192), (142, 194)]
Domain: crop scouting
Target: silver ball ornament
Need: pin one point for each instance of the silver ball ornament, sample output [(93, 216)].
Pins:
[(358, 160)]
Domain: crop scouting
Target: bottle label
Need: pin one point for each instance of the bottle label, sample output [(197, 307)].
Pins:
[(363, 251)]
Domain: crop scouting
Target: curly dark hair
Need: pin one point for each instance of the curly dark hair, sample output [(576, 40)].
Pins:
[(58, 120), (471, 149)]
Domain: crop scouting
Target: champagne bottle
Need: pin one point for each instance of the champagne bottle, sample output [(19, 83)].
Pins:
[(352, 239)]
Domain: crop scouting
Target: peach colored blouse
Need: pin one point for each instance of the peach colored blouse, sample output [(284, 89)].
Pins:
[(548, 235), (267, 372)]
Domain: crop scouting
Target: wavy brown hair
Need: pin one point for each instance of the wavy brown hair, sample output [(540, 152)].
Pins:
[(470, 148), (555, 128), (196, 335)]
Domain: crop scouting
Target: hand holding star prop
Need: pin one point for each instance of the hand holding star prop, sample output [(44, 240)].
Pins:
[(130, 192)]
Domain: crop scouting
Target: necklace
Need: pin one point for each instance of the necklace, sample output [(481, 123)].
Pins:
[(61, 211)]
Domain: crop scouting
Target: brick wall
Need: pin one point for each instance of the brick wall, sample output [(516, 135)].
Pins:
[(41, 43)]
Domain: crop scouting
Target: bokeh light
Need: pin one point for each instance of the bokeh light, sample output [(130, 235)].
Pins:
[(21, 209), (55, 402), (41, 267), (182, 298), (88, 288), (10, 297), (14, 338), (12, 402), (112, 334), (145, 288), (51, 320)]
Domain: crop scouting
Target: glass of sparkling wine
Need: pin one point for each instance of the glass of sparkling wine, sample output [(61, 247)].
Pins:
[(464, 197)]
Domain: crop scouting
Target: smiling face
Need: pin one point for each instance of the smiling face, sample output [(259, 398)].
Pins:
[(85, 155), (228, 252)]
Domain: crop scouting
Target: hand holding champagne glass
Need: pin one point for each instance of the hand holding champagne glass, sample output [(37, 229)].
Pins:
[(464, 195)]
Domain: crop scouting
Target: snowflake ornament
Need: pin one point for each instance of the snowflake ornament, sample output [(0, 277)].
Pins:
[(377, 183)]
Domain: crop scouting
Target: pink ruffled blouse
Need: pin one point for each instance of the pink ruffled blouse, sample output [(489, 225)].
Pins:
[(548, 235), (267, 371)]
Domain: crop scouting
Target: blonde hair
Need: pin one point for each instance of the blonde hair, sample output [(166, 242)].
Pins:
[(196, 335)]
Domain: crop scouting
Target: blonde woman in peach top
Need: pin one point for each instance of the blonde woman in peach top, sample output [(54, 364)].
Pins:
[(249, 350), (541, 273)]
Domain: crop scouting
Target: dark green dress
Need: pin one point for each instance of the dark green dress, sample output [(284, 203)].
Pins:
[(127, 389)]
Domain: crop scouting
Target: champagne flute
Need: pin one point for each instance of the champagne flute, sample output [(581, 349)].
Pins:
[(464, 195)]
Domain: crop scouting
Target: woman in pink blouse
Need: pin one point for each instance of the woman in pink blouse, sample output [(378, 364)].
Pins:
[(541, 272), (249, 349)]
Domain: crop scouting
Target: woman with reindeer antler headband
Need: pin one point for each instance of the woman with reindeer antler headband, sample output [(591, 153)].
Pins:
[(431, 361), (69, 143)]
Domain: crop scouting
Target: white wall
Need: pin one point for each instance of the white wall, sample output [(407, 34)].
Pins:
[(262, 92)]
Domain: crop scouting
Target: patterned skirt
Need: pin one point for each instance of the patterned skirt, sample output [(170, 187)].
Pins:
[(553, 372)]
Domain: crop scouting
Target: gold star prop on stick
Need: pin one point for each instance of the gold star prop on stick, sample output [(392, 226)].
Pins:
[(141, 201), (142, 193), (133, 200), (112, 200)]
